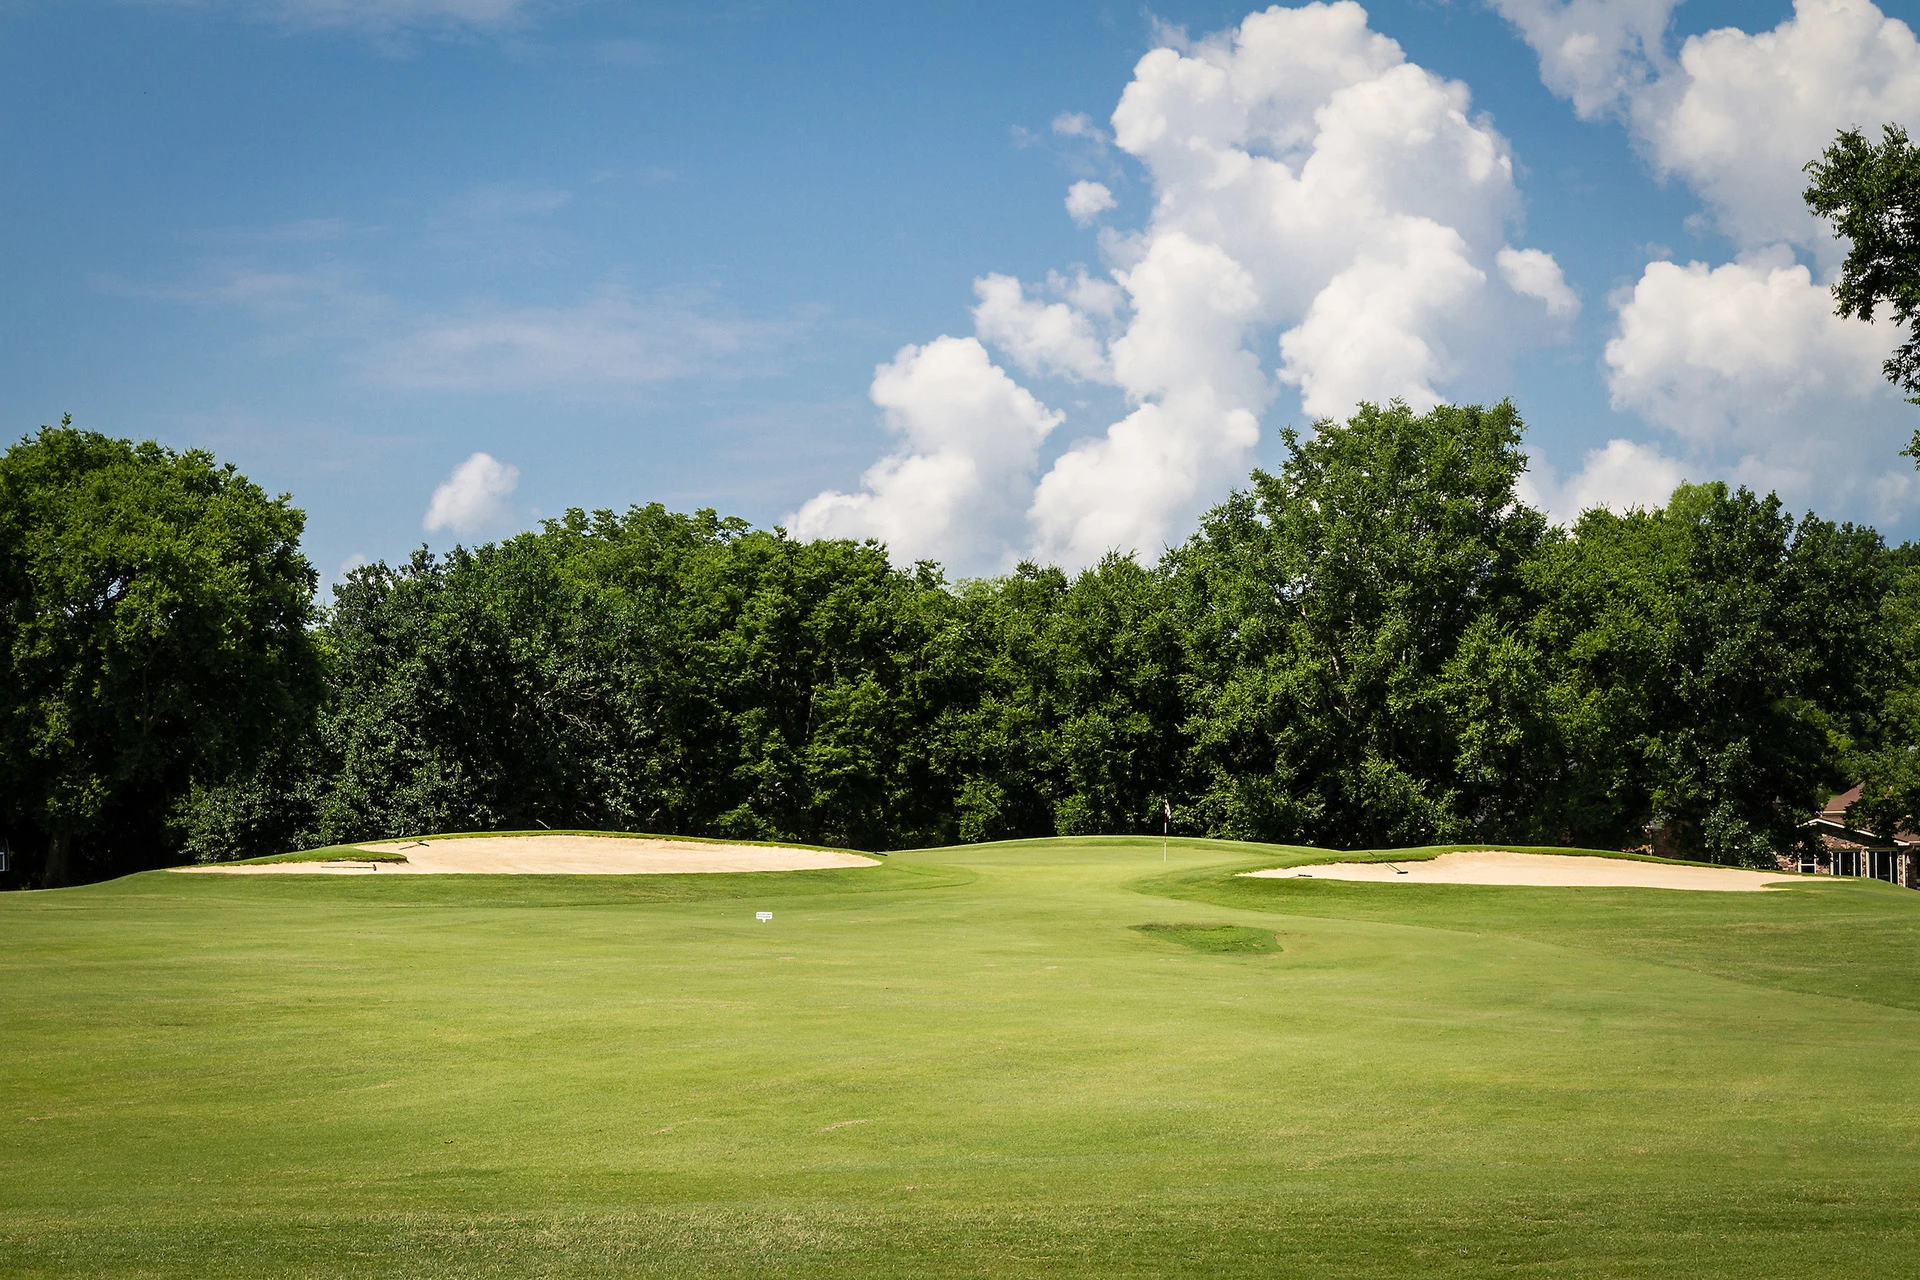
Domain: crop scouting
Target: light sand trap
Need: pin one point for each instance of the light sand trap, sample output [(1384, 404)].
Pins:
[(557, 856), (1500, 867)]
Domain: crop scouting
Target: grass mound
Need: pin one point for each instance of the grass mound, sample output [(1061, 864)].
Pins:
[(1215, 939), (332, 853)]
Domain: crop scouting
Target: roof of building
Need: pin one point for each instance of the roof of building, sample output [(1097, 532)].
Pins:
[(1834, 818), (1836, 810)]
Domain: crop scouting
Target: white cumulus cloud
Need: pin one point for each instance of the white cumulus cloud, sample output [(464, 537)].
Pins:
[(1376, 330), (1621, 475), (1747, 364), (1744, 360), (1087, 201), (1743, 113), (1598, 54), (1201, 390), (1325, 215), (1537, 275), (474, 498), (1712, 351), (1733, 114), (955, 486), (1038, 336)]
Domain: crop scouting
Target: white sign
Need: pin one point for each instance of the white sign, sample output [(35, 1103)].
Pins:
[(763, 915)]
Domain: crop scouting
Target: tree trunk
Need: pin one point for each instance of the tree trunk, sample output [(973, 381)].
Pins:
[(58, 871)]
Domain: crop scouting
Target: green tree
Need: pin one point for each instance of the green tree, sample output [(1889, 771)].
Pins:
[(1060, 704), (1871, 195), (1717, 658), (1886, 760), (154, 609), (1333, 613), (649, 671), (1376, 645), (1121, 740)]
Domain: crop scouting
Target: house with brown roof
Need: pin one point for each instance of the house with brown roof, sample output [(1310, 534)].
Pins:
[(1840, 848)]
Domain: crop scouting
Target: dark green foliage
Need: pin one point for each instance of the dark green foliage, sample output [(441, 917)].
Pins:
[(1357, 672), (153, 633), (1713, 659), (1872, 196), (1379, 645), (1888, 761), (690, 674), (647, 672), (1063, 702)]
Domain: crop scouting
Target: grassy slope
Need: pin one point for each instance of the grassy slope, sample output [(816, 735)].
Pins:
[(967, 1062), (1858, 939)]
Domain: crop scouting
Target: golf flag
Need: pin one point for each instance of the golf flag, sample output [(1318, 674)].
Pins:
[(1166, 821)]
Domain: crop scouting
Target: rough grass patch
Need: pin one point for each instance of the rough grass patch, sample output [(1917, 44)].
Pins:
[(331, 853), (1215, 939)]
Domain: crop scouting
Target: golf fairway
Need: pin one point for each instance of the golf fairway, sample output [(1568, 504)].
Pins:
[(968, 1062)]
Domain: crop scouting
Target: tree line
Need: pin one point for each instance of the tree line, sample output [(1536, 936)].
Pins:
[(1378, 644)]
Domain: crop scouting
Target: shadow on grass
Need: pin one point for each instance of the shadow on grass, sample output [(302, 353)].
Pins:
[(1214, 939)]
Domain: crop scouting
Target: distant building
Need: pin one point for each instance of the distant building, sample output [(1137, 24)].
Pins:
[(1839, 848)]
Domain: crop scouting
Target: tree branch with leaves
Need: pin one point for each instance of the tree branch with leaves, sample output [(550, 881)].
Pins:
[(1871, 196)]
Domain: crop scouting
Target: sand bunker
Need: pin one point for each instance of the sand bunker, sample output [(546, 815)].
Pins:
[(1500, 867), (557, 856)]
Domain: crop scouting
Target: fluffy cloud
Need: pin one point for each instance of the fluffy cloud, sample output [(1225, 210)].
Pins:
[(474, 498), (1326, 215), (1039, 337), (1713, 352), (1183, 356), (1620, 476), (1744, 112), (1598, 54), (1375, 331), (1307, 178), (954, 489), (1744, 361), (1536, 275), (1735, 114), (1087, 201), (1747, 364)]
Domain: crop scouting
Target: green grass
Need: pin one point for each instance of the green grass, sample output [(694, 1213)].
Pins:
[(966, 1062), (331, 853), (1297, 855), (1214, 939)]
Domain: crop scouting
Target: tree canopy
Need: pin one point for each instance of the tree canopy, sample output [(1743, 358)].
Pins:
[(1377, 644), (154, 626), (1871, 195)]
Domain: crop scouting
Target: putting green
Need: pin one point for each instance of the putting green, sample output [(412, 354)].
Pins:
[(965, 1062)]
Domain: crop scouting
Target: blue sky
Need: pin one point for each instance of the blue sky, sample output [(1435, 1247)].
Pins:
[(637, 253)]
